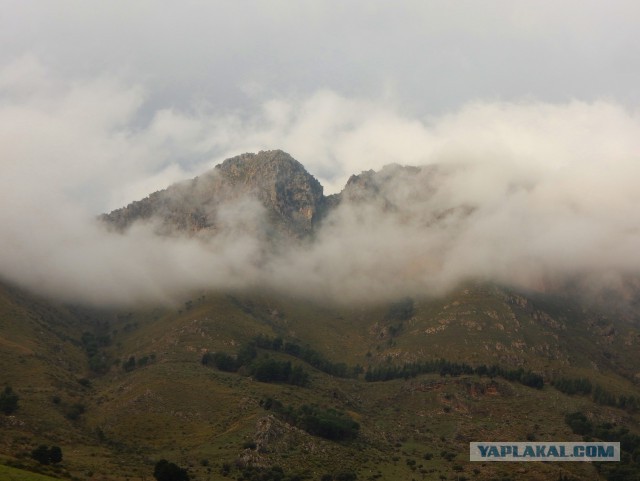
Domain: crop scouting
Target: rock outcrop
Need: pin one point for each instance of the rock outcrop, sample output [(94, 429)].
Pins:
[(292, 198)]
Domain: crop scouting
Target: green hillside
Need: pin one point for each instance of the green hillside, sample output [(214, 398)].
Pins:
[(119, 390), (8, 473)]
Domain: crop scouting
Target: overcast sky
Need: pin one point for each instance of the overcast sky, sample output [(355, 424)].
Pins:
[(431, 56), (224, 62), (103, 102)]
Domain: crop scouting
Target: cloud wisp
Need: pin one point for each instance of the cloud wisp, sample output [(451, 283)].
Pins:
[(528, 194)]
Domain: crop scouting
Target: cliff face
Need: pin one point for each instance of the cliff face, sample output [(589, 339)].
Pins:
[(293, 198)]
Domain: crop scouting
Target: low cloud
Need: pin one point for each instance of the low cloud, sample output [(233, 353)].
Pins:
[(527, 194)]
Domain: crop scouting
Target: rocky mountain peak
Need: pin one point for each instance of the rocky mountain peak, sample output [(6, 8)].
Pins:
[(281, 183), (292, 197)]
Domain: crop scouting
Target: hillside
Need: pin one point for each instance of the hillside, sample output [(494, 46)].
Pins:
[(167, 404), (265, 384)]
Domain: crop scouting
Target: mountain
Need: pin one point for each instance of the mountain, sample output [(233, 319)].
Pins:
[(259, 385), (292, 197)]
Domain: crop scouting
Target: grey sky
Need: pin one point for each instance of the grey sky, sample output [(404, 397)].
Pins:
[(432, 56), (229, 59)]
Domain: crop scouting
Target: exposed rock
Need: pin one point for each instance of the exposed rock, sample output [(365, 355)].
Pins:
[(275, 436), (271, 196), (291, 198)]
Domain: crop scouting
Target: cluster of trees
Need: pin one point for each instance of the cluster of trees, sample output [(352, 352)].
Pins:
[(604, 397), (8, 401), (269, 370), (131, 363), (47, 455), (266, 369), (629, 466), (308, 355), (94, 348), (327, 423), (453, 369), (600, 395), (573, 386), (263, 369), (221, 360)]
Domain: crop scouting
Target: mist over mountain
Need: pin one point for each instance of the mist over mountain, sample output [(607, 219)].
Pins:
[(292, 198), (261, 220), (529, 194), (403, 230)]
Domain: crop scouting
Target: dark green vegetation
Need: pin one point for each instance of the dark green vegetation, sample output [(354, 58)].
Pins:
[(8, 473), (264, 388), (8, 401), (599, 394), (628, 468), (326, 423), (47, 455), (453, 369), (166, 471), (263, 368)]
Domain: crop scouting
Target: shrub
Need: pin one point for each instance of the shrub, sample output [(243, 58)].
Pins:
[(166, 471), (75, 411), (45, 455), (8, 401)]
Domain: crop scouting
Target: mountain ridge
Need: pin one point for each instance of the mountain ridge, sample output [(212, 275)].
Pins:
[(292, 197)]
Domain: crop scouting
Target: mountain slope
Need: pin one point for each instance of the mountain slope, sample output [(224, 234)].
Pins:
[(167, 404), (120, 388)]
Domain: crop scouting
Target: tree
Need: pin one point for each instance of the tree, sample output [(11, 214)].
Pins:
[(166, 471), (8, 401), (55, 454), (130, 365), (41, 454), (45, 455)]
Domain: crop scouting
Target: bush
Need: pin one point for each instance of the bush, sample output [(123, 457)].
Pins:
[(45, 455), (579, 423), (130, 364), (8, 401), (55, 454), (84, 382), (166, 471), (75, 411)]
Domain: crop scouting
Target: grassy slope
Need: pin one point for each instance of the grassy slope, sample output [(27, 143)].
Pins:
[(196, 416), (8, 473)]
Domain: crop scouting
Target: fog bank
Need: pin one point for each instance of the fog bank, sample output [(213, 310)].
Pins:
[(527, 194)]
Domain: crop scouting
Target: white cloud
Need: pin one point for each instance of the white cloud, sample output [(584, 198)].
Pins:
[(551, 191)]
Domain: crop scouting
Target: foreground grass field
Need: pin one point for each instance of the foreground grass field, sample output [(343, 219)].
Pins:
[(8, 473)]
